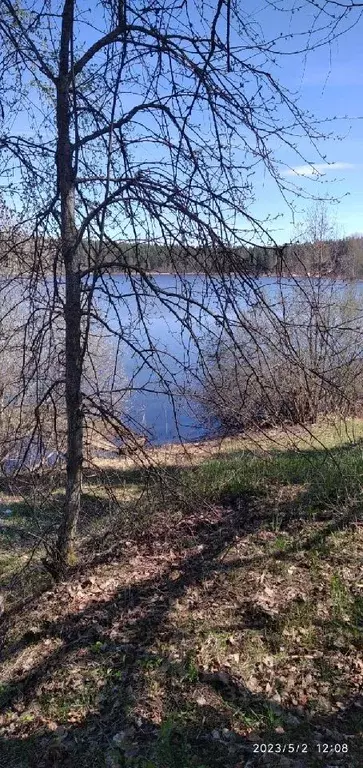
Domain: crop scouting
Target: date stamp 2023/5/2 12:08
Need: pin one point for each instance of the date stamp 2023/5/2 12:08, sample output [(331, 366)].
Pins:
[(293, 748)]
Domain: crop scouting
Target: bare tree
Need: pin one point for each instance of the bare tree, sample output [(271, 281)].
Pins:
[(128, 125)]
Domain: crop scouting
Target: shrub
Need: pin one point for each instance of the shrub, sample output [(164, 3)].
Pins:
[(292, 362)]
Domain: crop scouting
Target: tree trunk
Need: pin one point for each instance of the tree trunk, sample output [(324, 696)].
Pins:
[(71, 258)]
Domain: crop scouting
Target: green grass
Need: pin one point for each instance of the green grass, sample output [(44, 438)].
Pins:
[(320, 478)]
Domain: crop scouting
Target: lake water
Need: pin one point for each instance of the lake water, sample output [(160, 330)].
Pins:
[(160, 339), (162, 326), (162, 333)]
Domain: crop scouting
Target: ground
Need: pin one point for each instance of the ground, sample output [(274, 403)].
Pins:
[(214, 617)]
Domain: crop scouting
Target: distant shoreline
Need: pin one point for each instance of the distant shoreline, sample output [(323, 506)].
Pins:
[(247, 275), (287, 276)]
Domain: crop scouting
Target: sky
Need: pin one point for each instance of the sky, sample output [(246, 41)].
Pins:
[(330, 85)]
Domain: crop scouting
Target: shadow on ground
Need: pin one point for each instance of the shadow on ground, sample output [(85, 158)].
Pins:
[(138, 660)]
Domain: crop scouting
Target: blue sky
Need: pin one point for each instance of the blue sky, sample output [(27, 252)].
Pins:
[(330, 84)]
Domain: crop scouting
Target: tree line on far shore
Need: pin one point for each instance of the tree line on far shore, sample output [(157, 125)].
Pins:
[(341, 257)]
